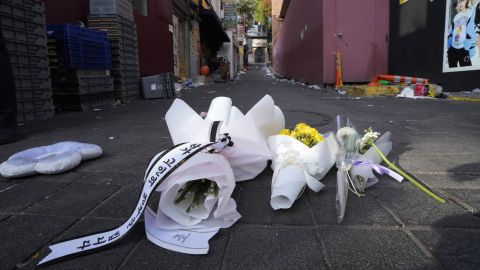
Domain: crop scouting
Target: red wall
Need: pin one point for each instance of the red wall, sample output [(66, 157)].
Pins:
[(155, 42), (66, 11)]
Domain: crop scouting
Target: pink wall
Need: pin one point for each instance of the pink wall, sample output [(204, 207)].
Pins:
[(155, 44), (363, 41), (293, 56)]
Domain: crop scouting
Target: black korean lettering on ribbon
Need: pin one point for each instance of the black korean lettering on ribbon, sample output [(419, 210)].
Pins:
[(190, 148), (86, 246), (100, 240), (114, 236), (169, 162)]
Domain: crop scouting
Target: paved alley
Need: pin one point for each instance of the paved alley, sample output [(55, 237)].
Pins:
[(395, 226)]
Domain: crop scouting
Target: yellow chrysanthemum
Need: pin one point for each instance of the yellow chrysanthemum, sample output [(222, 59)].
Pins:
[(285, 131), (304, 133), (301, 126)]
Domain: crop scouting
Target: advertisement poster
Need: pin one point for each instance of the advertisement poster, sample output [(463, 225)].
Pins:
[(462, 36)]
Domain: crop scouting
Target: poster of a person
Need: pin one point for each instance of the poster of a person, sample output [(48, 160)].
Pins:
[(462, 36)]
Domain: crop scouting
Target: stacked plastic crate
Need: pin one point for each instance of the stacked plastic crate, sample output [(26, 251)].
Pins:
[(116, 18), (80, 62), (22, 23)]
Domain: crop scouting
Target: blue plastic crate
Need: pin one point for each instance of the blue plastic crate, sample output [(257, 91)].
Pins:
[(81, 48)]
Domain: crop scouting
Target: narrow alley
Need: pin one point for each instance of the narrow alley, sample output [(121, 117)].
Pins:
[(394, 226)]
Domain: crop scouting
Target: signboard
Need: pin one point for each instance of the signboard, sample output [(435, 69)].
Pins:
[(461, 50), (229, 16)]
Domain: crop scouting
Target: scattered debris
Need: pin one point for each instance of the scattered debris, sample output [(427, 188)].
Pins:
[(366, 90), (408, 92), (178, 87)]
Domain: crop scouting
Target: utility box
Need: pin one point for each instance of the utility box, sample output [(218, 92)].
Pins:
[(152, 87)]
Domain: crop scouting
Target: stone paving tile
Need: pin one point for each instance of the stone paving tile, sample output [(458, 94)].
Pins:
[(439, 125), (66, 177), (22, 235), (453, 163), (7, 185), (149, 256), (449, 181), (109, 258), (3, 217), (359, 211), (74, 200), (121, 205), (123, 179), (372, 249), (469, 196), (464, 143), (265, 247), (414, 207), (26, 193), (136, 147), (115, 163), (454, 249), (254, 206)]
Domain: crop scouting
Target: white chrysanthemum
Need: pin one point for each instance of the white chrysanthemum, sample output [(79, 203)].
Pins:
[(367, 140), (344, 133), (347, 137)]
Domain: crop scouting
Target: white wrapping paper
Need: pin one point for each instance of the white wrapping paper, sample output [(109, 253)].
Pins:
[(296, 165), (174, 228), (249, 155)]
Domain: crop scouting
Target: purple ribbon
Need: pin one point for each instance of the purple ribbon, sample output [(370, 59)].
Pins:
[(378, 169)]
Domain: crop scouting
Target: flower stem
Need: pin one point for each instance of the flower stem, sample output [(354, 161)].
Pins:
[(409, 178)]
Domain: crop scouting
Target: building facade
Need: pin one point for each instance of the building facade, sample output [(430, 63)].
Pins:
[(314, 29), (155, 39), (419, 39)]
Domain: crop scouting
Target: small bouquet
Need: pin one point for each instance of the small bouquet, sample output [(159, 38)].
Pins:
[(300, 157), (195, 200), (358, 157)]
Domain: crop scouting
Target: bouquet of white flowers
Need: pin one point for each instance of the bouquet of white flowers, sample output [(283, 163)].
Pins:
[(195, 200), (359, 156)]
